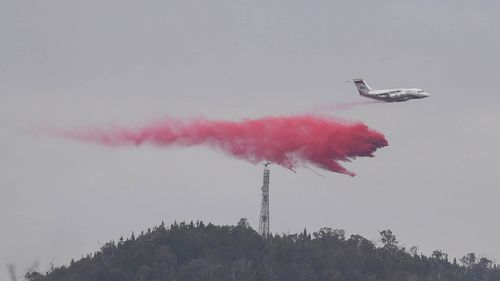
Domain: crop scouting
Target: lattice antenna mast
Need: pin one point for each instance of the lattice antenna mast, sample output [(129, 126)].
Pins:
[(264, 207)]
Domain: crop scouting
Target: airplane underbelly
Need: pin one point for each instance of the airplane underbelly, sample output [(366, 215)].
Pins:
[(400, 98)]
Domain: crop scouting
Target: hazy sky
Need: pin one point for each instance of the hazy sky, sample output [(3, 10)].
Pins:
[(73, 63)]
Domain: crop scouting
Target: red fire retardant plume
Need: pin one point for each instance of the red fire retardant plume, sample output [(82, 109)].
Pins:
[(287, 141)]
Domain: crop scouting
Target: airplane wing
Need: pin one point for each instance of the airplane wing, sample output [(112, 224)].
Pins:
[(388, 93)]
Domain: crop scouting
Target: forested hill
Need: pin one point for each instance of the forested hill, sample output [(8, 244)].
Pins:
[(199, 252)]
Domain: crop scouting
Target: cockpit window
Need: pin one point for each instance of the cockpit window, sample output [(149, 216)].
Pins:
[(420, 91)]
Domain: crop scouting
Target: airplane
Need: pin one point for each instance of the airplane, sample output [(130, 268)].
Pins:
[(389, 95)]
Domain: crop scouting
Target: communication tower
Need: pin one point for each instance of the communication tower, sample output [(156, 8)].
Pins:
[(264, 207)]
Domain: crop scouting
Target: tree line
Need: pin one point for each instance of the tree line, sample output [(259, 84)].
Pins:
[(196, 251)]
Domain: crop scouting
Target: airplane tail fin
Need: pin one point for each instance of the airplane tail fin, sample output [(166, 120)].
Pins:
[(363, 88)]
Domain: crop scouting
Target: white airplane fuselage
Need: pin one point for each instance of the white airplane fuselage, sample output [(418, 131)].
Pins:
[(389, 95)]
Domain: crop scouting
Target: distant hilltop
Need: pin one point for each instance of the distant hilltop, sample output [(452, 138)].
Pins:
[(205, 252)]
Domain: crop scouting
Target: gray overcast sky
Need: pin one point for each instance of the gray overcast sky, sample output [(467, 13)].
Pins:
[(70, 63)]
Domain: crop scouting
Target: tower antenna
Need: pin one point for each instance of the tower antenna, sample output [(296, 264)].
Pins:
[(264, 207)]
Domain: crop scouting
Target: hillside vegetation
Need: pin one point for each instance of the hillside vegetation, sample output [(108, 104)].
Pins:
[(199, 252)]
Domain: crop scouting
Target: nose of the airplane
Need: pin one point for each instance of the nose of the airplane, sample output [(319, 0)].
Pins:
[(425, 94)]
